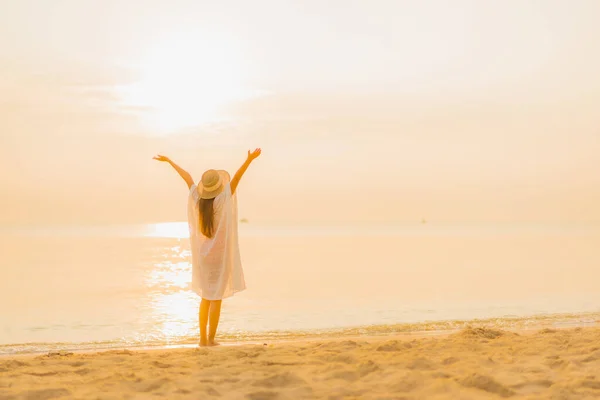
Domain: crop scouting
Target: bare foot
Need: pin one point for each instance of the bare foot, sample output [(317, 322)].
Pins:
[(214, 343), (203, 343)]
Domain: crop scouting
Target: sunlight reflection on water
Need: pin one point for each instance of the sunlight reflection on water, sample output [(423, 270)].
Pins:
[(176, 315), (170, 275), (178, 230), (173, 306)]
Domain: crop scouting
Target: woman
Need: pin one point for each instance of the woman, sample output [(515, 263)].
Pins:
[(212, 218)]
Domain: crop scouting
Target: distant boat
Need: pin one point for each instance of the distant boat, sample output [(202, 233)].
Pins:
[(244, 221)]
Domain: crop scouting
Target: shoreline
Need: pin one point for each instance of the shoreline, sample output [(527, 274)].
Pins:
[(303, 337), (473, 363)]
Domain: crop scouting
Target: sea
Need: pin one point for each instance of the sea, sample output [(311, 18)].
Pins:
[(101, 287)]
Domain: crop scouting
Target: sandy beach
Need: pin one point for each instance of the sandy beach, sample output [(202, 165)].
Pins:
[(475, 363)]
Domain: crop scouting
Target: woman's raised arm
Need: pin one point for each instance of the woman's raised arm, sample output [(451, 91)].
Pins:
[(240, 172), (182, 172)]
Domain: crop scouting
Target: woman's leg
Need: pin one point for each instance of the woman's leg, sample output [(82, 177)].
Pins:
[(203, 320), (215, 315)]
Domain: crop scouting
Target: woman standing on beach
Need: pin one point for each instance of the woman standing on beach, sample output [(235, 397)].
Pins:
[(212, 218)]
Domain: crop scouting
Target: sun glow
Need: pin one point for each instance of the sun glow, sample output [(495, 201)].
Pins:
[(184, 82)]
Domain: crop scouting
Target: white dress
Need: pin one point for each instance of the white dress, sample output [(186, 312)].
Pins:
[(216, 264)]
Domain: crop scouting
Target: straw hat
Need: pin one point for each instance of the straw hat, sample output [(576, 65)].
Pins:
[(212, 183)]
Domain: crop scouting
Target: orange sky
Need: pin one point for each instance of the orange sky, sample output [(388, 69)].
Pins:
[(378, 111)]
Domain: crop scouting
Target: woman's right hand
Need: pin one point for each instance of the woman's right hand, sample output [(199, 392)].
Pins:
[(161, 158), (253, 155)]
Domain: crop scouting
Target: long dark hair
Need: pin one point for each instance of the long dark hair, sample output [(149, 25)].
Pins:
[(207, 216)]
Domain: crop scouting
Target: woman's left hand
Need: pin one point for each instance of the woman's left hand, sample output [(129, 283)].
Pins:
[(253, 155)]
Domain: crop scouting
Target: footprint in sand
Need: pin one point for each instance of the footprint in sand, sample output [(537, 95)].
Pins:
[(212, 391), (118, 352), (45, 373), (349, 344), (408, 383), (450, 361), (487, 384), (367, 367), (547, 331), (556, 362), (161, 365), (83, 371), (421, 364), (280, 380), (484, 333), (587, 383), (45, 394), (346, 375), (262, 396), (532, 386), (11, 365), (341, 358), (149, 387), (55, 354), (595, 356), (394, 345), (77, 364)]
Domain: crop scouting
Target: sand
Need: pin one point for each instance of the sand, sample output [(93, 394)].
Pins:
[(475, 363)]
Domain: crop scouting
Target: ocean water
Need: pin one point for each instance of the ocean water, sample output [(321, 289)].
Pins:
[(103, 287)]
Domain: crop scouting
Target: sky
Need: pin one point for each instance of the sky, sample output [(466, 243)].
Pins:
[(371, 111)]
